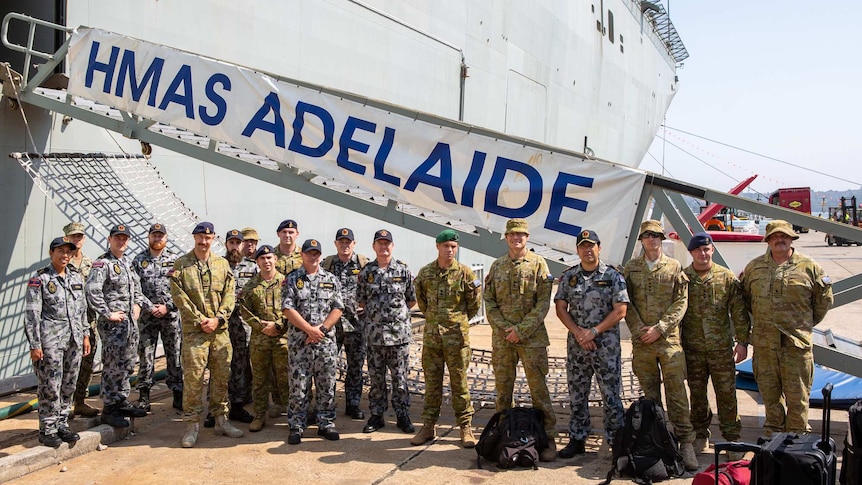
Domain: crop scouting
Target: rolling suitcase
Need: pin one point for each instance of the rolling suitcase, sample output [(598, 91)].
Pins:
[(851, 465), (791, 459)]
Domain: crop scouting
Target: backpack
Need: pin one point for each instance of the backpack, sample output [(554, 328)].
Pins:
[(644, 449), (512, 438), (733, 473)]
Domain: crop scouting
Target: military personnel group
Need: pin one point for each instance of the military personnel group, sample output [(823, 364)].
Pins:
[(269, 322)]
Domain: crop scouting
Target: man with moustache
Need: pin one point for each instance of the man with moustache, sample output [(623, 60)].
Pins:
[(311, 302), (385, 292), (591, 300), (82, 264), (239, 386), (203, 289), (346, 264), (159, 317), (658, 289), (787, 293), (113, 291), (716, 316)]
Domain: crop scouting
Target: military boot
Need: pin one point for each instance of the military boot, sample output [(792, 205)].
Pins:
[(276, 411), (467, 438), (426, 433), (238, 413), (549, 453), (112, 417), (178, 400), (81, 408), (144, 399), (689, 458), (191, 436), (129, 410), (223, 427), (257, 424)]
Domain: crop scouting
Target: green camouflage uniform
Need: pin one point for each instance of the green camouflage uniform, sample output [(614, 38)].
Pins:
[(287, 263), (659, 296), (518, 294), (716, 315), (448, 298), (786, 301), (204, 289), (86, 373), (261, 300)]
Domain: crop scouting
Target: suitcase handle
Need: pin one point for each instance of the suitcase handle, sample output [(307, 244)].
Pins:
[(735, 446), (827, 416)]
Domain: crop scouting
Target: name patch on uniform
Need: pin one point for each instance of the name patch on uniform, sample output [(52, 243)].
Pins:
[(117, 268), (98, 264), (245, 274), (397, 279), (167, 264), (77, 286), (34, 283), (327, 285), (603, 283), (52, 288)]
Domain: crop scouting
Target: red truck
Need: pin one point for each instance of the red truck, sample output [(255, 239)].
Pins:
[(796, 198)]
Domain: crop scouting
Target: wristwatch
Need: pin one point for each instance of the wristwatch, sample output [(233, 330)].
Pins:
[(221, 320), (594, 331)]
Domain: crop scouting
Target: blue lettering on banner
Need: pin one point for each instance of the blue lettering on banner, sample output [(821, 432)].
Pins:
[(346, 142), (173, 95), (560, 200), (217, 100), (534, 194), (299, 122), (442, 155), (106, 68), (469, 191), (127, 68), (272, 104), (382, 155)]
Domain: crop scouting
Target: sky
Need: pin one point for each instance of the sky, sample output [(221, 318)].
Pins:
[(781, 79)]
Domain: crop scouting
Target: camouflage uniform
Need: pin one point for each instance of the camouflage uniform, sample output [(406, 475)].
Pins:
[(518, 294), (55, 321), (386, 293), (716, 312), (590, 299), (261, 300), (239, 387), (156, 286), (113, 286), (786, 301), (87, 361), (288, 262), (448, 298), (314, 297), (659, 296), (348, 330), (204, 289)]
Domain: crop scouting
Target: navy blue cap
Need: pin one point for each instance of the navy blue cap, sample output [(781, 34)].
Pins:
[(383, 234), (233, 234), (344, 233), (204, 228), (698, 240), (588, 235), (311, 245), (158, 227), (120, 229), (61, 241), (287, 223), (263, 251)]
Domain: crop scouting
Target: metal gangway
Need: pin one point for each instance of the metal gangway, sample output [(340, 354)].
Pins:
[(659, 196)]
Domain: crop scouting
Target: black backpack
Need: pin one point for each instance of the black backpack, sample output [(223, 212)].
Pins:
[(514, 437), (644, 449)]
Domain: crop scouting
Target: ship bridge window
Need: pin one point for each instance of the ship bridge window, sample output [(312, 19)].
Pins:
[(611, 26)]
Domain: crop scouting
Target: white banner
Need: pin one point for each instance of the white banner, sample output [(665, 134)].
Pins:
[(471, 177)]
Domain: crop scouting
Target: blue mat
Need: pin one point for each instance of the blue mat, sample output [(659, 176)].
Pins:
[(846, 389)]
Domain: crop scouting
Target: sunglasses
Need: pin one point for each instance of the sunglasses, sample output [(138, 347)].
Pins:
[(652, 234)]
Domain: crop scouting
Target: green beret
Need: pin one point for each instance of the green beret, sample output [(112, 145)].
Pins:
[(447, 235)]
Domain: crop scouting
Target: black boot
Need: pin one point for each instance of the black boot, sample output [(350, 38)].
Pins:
[(178, 400), (238, 413), (404, 424), (209, 422), (112, 417), (354, 412), (52, 440), (144, 399), (67, 435), (129, 410)]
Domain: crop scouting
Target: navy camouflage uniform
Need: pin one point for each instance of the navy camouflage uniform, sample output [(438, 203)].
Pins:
[(239, 386), (314, 297), (87, 361), (154, 272), (55, 321), (349, 329), (386, 294), (590, 299), (114, 286)]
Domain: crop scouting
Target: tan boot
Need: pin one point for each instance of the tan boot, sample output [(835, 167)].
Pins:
[(735, 455), (549, 453), (224, 427), (83, 409), (191, 436), (427, 433), (257, 424), (689, 458), (701, 445), (467, 438)]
